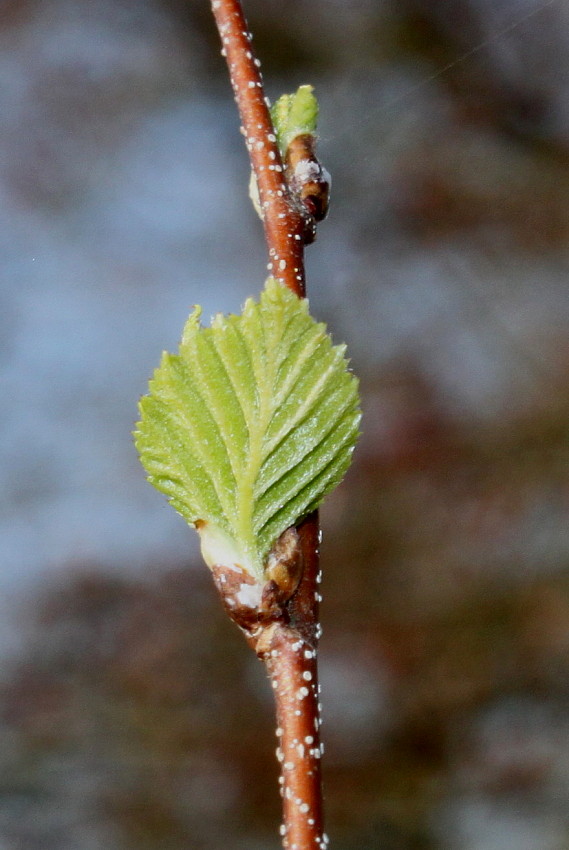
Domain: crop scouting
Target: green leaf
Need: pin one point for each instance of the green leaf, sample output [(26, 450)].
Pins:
[(250, 425), (294, 115)]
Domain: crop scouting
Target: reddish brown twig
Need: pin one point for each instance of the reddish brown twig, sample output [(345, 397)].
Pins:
[(287, 637), (293, 667), (283, 222)]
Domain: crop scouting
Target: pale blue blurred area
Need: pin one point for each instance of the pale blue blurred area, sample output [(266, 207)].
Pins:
[(98, 275), (92, 299)]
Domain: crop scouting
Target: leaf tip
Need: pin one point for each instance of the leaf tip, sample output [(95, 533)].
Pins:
[(191, 327)]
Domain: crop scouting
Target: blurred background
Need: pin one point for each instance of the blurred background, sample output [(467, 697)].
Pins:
[(132, 714)]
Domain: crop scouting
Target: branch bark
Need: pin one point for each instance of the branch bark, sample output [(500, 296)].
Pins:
[(287, 641), (283, 222)]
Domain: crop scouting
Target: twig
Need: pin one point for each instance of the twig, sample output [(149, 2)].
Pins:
[(287, 641), (283, 222)]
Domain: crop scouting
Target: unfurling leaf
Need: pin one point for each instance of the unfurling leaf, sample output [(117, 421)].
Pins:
[(250, 425), (294, 115)]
